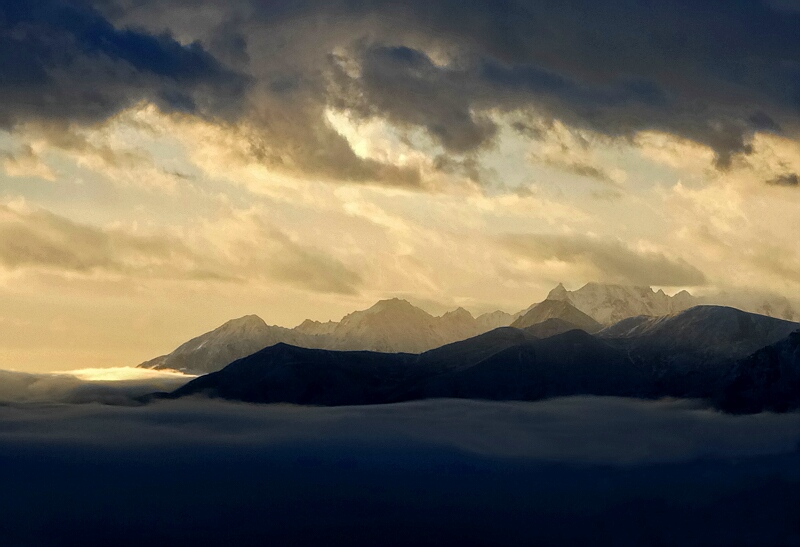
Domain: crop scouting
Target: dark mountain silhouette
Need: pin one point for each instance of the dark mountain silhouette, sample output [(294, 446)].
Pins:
[(717, 330), (701, 352), (769, 379), (569, 363), (688, 353), (288, 374), (466, 353)]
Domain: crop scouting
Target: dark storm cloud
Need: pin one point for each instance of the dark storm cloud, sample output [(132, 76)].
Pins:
[(612, 259), (63, 61), (711, 71)]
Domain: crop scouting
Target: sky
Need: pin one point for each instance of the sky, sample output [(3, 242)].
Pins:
[(167, 166)]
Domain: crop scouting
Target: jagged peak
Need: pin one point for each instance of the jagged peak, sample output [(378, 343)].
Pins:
[(244, 321), (309, 322), (392, 304), (558, 293), (458, 313)]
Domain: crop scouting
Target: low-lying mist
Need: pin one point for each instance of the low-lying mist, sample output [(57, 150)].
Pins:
[(562, 471), (120, 385)]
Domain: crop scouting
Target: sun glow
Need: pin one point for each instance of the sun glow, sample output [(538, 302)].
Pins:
[(119, 374)]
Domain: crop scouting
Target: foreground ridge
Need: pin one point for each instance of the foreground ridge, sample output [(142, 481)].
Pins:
[(717, 353)]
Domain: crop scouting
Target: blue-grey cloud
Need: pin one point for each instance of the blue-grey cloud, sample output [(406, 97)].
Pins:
[(711, 71), (62, 61)]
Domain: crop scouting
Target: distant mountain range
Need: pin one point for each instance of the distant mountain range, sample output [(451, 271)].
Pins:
[(395, 325), (742, 362)]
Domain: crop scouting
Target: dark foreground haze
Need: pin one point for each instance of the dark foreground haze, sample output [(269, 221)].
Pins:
[(580, 470)]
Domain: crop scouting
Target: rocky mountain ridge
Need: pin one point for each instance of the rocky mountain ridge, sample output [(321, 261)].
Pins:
[(741, 361), (395, 325)]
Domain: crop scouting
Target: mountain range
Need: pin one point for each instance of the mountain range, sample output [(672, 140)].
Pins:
[(742, 362), (395, 325)]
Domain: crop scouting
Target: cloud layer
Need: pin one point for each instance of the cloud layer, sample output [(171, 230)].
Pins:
[(701, 71), (607, 471)]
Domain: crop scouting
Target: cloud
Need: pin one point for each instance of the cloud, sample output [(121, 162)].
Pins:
[(118, 385), (682, 73), (64, 61), (447, 68), (569, 150), (633, 432), (36, 238), (311, 269), (116, 374), (610, 259), (564, 471), (787, 179), (26, 163)]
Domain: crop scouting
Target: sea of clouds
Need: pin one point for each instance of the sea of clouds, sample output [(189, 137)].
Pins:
[(600, 470)]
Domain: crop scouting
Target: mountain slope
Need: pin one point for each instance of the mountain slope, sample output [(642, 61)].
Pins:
[(389, 326), (769, 379), (233, 340), (566, 364), (609, 304), (397, 326), (466, 353), (556, 309), (690, 352), (695, 353), (550, 327), (715, 330), (288, 374), (494, 320)]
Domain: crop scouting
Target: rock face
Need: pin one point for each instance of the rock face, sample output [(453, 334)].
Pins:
[(395, 325), (557, 309), (609, 304), (235, 339), (316, 328), (389, 326), (494, 320)]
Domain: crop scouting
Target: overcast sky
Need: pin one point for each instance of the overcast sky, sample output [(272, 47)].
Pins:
[(166, 166)]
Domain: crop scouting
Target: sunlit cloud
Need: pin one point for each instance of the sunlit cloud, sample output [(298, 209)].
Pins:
[(119, 374)]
